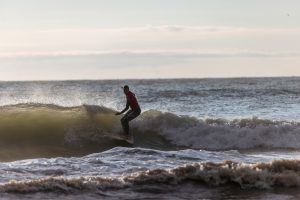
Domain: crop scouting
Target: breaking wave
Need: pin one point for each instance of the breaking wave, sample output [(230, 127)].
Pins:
[(50, 130), (222, 134), (283, 173)]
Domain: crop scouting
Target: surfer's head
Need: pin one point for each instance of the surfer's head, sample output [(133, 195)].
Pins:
[(126, 89)]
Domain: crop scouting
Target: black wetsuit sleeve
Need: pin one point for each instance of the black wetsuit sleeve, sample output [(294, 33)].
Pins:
[(127, 106)]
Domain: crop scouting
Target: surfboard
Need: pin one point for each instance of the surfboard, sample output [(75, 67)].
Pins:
[(119, 136), (123, 137), (128, 138)]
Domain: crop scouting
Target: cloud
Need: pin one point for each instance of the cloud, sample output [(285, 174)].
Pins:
[(150, 53), (151, 29), (182, 63), (166, 41), (178, 28)]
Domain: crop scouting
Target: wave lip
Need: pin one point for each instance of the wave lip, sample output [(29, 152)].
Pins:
[(283, 173)]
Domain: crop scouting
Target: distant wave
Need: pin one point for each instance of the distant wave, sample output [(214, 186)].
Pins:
[(283, 173), (55, 130)]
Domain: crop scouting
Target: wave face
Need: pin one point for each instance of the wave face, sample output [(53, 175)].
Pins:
[(35, 130), (30, 130)]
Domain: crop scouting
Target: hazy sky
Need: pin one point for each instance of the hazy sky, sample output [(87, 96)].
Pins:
[(108, 39)]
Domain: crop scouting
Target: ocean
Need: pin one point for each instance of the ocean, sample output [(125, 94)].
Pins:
[(234, 138)]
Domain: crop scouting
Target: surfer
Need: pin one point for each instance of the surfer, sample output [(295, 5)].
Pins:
[(134, 111)]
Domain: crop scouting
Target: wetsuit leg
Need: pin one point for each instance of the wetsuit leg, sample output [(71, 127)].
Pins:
[(125, 122), (130, 115)]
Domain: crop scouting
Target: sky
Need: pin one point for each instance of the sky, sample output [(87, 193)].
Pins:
[(120, 39)]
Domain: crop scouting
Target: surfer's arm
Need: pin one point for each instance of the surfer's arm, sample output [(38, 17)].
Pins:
[(124, 110)]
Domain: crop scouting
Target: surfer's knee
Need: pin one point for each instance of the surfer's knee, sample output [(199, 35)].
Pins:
[(124, 121)]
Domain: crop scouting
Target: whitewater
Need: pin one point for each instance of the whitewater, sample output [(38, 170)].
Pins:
[(195, 139)]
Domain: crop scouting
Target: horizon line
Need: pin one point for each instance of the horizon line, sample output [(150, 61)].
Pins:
[(131, 79)]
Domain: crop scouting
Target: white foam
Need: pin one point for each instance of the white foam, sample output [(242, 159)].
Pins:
[(220, 134), (284, 173)]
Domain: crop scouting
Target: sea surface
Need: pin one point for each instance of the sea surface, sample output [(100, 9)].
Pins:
[(195, 139)]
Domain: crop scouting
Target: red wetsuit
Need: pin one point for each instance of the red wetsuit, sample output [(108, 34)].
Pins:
[(134, 111), (132, 101)]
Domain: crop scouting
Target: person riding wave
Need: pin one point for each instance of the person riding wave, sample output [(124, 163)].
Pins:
[(134, 111)]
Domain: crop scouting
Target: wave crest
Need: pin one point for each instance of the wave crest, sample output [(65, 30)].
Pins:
[(261, 175), (222, 134), (51, 130)]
